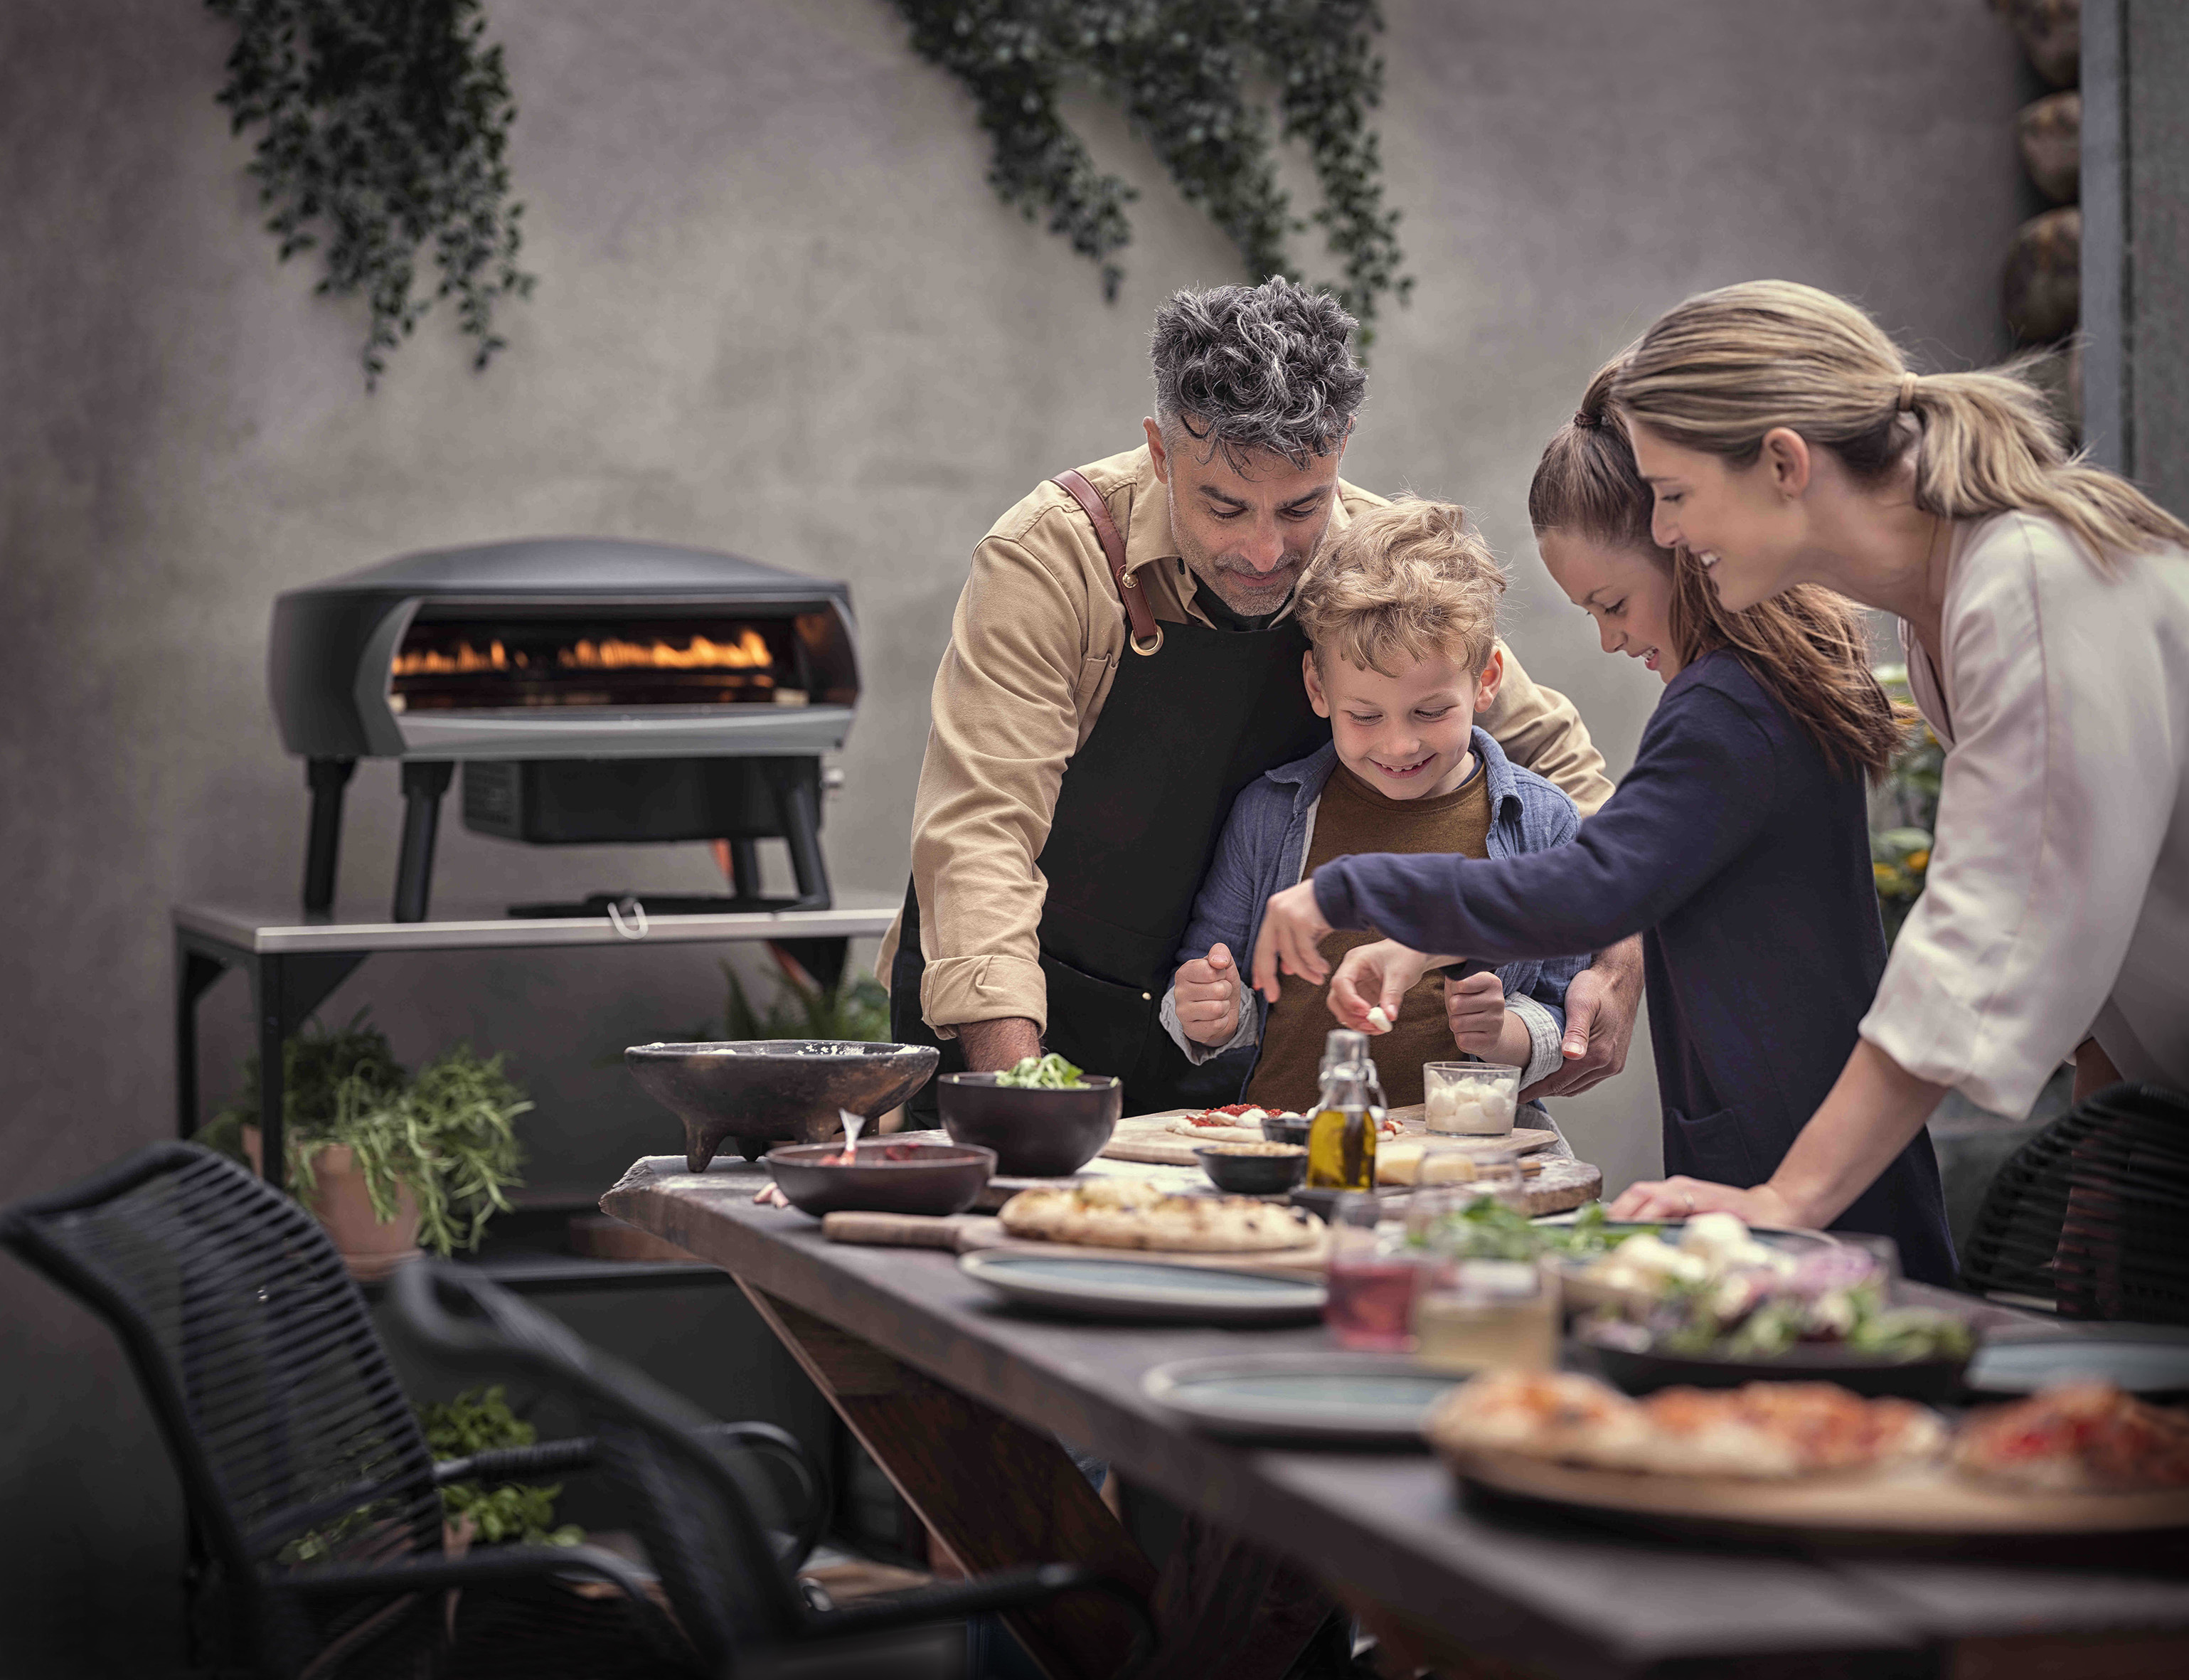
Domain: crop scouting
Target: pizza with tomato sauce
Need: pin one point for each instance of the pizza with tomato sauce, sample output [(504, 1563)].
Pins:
[(2083, 1438)]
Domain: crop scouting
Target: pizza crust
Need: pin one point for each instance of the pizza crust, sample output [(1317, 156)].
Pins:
[(1134, 1213), (1761, 1432)]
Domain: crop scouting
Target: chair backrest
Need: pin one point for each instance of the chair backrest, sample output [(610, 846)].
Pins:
[(293, 1437), (2087, 1213), (694, 1501)]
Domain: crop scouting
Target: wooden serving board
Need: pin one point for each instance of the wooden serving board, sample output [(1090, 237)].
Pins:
[(1148, 1140), (1912, 1501), (961, 1233)]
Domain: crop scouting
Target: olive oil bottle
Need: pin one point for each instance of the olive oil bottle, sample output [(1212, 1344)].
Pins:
[(1341, 1140)]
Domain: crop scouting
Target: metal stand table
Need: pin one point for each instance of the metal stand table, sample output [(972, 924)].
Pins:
[(295, 961)]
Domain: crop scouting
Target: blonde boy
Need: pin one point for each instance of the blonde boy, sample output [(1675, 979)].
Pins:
[(1401, 608)]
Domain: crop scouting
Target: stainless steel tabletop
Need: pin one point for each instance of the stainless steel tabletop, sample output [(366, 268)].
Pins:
[(275, 929)]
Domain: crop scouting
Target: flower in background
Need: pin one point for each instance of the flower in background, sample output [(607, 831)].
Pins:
[(1904, 812)]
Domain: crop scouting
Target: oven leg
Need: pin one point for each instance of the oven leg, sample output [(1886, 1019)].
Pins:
[(745, 868), (424, 782), (326, 778), (798, 802)]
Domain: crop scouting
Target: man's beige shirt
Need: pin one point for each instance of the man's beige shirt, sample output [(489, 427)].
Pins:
[(1033, 649)]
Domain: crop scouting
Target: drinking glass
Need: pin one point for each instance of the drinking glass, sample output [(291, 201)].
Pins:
[(1371, 1278), (1487, 1315), (1471, 1099)]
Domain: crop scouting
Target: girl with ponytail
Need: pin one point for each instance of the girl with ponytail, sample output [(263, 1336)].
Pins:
[(1738, 844), (2043, 607)]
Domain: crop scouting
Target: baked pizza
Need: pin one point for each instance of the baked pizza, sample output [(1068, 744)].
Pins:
[(2083, 1438), (1761, 1432), (1134, 1213)]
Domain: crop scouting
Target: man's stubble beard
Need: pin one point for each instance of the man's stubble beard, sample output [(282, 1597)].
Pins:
[(1209, 569)]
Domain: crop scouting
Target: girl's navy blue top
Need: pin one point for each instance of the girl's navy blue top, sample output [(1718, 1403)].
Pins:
[(1745, 857)]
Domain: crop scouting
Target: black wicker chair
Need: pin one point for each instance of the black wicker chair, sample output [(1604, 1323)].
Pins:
[(2088, 1213), (315, 1505), (732, 1597)]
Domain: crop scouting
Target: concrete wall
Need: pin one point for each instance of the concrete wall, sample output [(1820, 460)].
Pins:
[(779, 312)]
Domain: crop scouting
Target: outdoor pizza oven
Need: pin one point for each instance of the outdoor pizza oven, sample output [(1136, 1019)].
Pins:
[(591, 690)]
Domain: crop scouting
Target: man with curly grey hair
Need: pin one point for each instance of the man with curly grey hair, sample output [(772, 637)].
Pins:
[(1122, 663)]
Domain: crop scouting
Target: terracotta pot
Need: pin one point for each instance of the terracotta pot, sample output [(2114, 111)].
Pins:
[(2042, 291), (2050, 130), (369, 1248), (2051, 34)]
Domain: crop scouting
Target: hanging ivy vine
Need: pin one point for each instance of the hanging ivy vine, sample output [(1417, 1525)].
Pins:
[(1182, 71), (385, 128)]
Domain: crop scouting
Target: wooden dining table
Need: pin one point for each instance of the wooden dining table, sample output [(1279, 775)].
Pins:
[(964, 1403)]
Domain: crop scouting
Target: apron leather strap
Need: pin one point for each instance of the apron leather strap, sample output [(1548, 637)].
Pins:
[(1147, 635)]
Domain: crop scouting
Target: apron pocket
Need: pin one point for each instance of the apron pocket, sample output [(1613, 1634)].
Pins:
[(1097, 1023), (1713, 1147)]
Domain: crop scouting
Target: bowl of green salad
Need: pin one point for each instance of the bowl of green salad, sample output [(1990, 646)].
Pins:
[(1045, 1119)]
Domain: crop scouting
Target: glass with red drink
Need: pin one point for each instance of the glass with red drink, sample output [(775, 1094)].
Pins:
[(1372, 1279)]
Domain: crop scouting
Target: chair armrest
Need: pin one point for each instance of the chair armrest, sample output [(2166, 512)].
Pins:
[(518, 1463), (1005, 1590), (813, 1520), (487, 1566)]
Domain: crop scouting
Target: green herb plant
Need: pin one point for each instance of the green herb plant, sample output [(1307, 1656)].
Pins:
[(1181, 70), (449, 1136), (857, 1008), (383, 128), (479, 1420)]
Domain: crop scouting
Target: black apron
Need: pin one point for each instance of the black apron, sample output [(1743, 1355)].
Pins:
[(1138, 814)]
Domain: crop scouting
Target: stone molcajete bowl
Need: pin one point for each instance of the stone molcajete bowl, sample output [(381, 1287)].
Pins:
[(775, 1090)]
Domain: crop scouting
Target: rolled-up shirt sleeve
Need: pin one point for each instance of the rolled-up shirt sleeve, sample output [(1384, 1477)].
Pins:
[(2058, 788), (1006, 706)]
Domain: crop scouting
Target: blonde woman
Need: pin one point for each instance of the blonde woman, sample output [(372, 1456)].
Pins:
[(2044, 606)]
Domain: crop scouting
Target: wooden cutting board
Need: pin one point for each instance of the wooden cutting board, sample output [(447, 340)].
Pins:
[(1148, 1140), (961, 1233)]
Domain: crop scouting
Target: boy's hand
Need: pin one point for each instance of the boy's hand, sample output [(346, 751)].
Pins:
[(1206, 991), (1475, 1007), (1375, 976), (1293, 931)]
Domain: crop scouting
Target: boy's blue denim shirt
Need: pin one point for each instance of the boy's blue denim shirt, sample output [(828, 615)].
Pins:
[(1263, 848)]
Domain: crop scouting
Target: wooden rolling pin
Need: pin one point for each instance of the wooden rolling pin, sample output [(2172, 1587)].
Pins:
[(957, 1233)]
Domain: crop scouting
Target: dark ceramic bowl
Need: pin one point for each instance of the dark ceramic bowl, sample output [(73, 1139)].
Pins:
[(1933, 1381), (1036, 1133), (1252, 1174), (1275, 1130), (766, 1090), (927, 1178)]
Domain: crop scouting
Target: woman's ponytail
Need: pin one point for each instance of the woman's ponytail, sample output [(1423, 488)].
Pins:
[(1989, 445)]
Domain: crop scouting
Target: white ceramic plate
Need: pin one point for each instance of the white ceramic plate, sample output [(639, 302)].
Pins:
[(1363, 1400), (1098, 1287)]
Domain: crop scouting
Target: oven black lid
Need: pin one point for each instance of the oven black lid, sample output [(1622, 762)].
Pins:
[(602, 568)]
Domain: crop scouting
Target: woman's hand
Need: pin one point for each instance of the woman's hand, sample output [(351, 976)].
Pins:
[(1205, 993), (1375, 976), (1293, 932), (1475, 1008), (1676, 1198)]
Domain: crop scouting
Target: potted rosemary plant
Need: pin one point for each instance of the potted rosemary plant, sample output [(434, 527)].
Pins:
[(388, 1163)]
